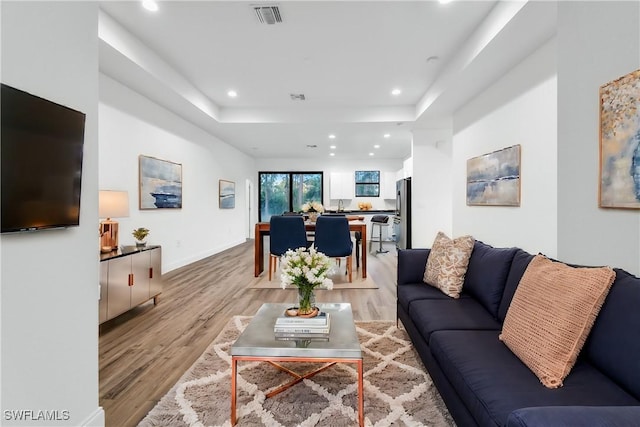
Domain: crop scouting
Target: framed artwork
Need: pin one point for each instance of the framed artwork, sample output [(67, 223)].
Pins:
[(493, 179), (620, 143), (227, 191), (160, 184)]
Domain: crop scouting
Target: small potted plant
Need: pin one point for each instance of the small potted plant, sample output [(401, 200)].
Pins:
[(140, 234)]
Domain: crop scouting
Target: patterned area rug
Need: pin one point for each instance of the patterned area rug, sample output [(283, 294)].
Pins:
[(397, 389)]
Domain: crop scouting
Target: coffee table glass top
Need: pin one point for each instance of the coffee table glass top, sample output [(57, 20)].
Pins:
[(258, 338)]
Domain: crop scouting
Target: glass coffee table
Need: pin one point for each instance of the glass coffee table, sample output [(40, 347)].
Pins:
[(258, 343)]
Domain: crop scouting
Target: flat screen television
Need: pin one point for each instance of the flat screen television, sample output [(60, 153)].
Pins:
[(41, 148)]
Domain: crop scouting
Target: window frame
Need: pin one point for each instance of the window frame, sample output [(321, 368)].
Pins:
[(363, 183), (290, 186)]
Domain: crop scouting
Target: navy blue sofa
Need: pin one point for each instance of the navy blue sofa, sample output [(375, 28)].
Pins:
[(483, 383)]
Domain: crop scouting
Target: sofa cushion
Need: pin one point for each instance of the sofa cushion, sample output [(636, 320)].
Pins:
[(449, 314), (487, 274), (492, 382), (417, 291), (520, 262), (447, 263), (572, 416), (614, 343), (552, 313)]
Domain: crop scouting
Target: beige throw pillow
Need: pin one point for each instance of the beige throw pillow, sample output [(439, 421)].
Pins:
[(551, 315), (447, 263)]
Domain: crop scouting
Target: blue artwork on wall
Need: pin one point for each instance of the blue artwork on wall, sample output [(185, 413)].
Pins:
[(160, 184), (493, 179), (227, 194), (620, 142)]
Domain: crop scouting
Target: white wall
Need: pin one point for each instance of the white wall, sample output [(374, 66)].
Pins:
[(518, 109), (431, 186), (49, 283), (335, 165), (598, 42), (131, 125)]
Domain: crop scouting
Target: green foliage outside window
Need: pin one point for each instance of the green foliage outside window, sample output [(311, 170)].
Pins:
[(287, 191)]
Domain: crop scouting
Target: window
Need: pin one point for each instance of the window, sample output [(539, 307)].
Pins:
[(367, 183), (287, 191)]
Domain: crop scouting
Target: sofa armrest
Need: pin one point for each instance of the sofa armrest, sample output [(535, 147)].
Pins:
[(575, 416), (411, 265)]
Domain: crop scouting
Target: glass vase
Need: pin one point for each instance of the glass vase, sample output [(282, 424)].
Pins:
[(306, 300)]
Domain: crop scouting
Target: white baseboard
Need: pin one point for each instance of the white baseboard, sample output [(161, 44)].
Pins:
[(96, 419), (199, 256)]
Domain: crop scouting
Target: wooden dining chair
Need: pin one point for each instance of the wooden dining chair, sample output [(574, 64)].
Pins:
[(333, 239), (285, 232)]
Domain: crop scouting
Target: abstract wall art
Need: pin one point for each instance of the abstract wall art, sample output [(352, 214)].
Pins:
[(160, 183), (620, 143), (493, 179), (227, 191)]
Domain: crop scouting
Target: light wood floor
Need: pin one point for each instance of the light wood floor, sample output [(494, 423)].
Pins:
[(145, 351)]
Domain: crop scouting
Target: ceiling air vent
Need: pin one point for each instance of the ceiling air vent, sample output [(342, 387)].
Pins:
[(297, 96), (267, 14)]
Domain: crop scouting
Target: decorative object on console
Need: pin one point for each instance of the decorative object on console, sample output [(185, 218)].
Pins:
[(111, 204), (493, 179), (313, 209), (620, 143), (551, 315), (306, 269), (448, 262), (140, 234), (160, 184), (227, 194)]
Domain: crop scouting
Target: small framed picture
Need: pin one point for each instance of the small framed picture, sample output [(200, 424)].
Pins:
[(227, 194)]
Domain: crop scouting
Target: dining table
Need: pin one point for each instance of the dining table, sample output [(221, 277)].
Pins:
[(356, 223)]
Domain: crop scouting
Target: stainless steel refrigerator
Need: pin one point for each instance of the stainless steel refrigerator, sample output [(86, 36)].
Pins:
[(402, 218)]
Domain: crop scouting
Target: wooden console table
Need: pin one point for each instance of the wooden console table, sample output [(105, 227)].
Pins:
[(262, 229)]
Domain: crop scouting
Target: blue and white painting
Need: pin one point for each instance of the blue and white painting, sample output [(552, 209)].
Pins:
[(493, 179), (160, 184), (620, 142), (227, 194)]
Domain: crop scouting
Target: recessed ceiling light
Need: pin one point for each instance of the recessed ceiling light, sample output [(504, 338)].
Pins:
[(332, 154), (150, 5), (396, 92), (387, 135), (445, 1), (376, 146), (371, 154), (332, 136), (333, 147), (232, 93)]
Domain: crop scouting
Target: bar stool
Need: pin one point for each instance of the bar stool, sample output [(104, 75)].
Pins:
[(380, 221)]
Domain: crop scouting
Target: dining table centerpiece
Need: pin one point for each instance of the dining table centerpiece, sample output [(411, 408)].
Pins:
[(313, 209), (306, 269)]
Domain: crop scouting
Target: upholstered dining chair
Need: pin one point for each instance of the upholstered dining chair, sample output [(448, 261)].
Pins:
[(333, 239), (285, 232)]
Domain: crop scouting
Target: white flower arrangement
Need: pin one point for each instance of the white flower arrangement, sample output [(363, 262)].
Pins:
[(306, 269), (312, 207)]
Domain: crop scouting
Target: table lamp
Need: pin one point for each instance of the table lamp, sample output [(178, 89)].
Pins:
[(111, 204)]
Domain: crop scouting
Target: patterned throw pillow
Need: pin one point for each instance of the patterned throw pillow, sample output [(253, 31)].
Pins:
[(447, 263), (551, 315)]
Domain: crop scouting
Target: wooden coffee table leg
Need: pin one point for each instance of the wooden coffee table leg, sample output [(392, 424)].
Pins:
[(360, 394), (233, 390)]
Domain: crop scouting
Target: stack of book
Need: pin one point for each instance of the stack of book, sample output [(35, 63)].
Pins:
[(302, 327)]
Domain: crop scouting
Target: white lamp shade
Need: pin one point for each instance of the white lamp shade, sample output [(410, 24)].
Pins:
[(113, 204)]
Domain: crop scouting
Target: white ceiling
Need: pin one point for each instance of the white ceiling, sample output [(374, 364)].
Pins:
[(344, 56)]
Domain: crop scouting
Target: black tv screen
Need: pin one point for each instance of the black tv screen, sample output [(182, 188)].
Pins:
[(41, 148)]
